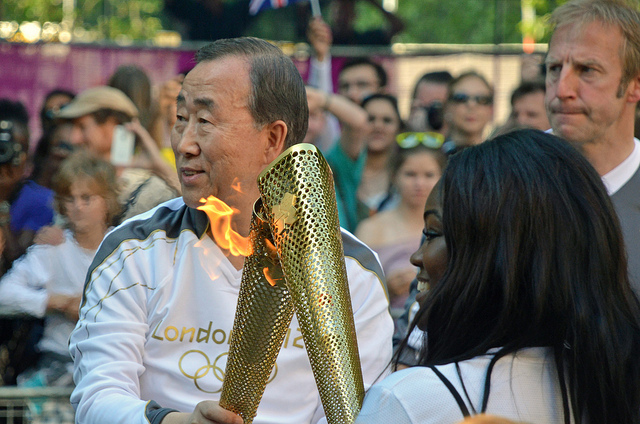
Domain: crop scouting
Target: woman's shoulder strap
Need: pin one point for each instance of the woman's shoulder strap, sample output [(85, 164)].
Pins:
[(454, 392)]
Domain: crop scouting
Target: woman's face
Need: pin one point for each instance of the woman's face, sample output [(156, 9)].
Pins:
[(384, 125), (467, 115), (85, 208), (416, 178), (431, 258)]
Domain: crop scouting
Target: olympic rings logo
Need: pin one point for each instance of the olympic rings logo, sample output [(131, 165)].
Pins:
[(199, 365)]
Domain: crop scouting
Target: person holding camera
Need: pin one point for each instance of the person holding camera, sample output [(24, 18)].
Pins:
[(25, 206), (429, 95)]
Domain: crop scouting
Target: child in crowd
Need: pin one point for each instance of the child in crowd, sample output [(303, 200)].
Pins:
[(395, 233), (48, 280)]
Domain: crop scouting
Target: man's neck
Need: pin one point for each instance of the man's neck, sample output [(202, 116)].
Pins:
[(607, 155)]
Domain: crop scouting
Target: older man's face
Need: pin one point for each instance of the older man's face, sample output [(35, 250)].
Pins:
[(584, 69), (217, 145)]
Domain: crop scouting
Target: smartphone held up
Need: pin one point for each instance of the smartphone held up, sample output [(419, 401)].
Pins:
[(122, 146)]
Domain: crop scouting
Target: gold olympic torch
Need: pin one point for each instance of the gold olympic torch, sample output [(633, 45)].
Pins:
[(298, 204), (263, 315)]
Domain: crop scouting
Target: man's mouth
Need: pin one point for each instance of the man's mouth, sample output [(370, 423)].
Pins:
[(189, 172)]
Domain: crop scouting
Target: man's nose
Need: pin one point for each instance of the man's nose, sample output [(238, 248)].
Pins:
[(187, 143), (567, 84), (353, 93), (76, 137)]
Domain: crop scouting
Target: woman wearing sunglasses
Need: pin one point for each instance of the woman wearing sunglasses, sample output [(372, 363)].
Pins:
[(467, 111)]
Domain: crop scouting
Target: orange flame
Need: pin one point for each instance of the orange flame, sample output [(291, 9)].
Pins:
[(271, 249), (219, 214), (270, 279), (236, 185)]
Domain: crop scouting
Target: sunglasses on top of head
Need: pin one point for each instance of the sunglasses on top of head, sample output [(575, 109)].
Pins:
[(408, 140)]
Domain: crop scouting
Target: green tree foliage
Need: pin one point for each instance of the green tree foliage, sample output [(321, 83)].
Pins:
[(460, 21), (427, 21), (103, 19), (31, 10)]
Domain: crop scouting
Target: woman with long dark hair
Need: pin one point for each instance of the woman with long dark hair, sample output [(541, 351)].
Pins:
[(529, 312)]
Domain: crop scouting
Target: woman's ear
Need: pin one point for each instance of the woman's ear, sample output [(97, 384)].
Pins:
[(276, 135)]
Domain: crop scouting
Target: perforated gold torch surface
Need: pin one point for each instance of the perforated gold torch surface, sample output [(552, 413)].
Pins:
[(300, 205), (262, 318)]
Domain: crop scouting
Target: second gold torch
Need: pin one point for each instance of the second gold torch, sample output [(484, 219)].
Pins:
[(300, 206)]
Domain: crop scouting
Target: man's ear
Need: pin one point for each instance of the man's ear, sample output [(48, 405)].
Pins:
[(276, 135), (633, 90)]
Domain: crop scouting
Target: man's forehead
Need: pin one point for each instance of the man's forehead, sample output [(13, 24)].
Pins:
[(197, 97), (210, 80), (574, 32), (432, 90), (85, 119)]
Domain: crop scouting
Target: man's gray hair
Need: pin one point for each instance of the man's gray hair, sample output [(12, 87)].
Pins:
[(617, 13), (277, 89)]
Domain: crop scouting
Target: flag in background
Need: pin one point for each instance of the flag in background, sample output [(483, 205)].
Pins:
[(256, 6)]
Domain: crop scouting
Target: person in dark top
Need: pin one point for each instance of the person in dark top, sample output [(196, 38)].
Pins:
[(210, 19)]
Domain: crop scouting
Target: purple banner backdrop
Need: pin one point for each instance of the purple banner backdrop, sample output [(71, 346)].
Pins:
[(29, 72)]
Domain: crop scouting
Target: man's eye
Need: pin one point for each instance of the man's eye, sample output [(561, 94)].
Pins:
[(587, 69), (553, 68)]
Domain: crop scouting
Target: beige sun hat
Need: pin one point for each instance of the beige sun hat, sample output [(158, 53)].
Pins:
[(96, 98)]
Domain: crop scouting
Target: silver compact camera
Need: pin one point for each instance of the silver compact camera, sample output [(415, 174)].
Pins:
[(10, 149)]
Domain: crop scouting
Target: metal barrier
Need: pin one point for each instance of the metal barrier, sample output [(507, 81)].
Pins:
[(35, 405)]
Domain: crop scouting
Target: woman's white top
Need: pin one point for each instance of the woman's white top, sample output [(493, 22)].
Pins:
[(42, 270), (524, 387)]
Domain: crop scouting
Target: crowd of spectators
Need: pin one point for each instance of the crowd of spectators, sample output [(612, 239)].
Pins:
[(380, 164)]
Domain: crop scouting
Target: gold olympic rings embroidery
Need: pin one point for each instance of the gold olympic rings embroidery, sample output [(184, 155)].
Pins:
[(202, 368)]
